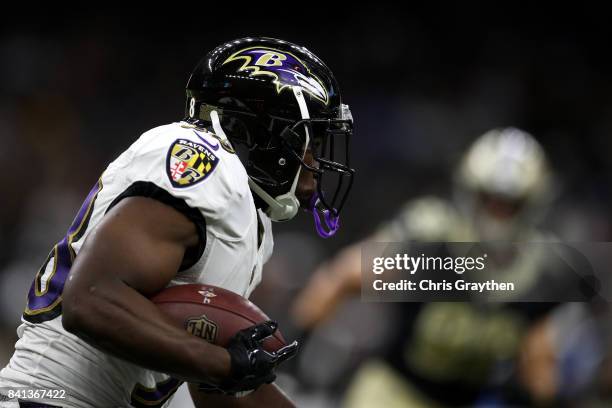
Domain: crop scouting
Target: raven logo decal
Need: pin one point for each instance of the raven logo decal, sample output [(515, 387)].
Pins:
[(286, 69)]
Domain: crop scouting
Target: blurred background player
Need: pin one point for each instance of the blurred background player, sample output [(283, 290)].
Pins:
[(461, 354)]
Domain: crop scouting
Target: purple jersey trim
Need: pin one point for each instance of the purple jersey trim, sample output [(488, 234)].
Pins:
[(65, 257)]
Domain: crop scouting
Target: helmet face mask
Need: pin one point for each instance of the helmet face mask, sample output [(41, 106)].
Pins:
[(331, 160), (276, 101)]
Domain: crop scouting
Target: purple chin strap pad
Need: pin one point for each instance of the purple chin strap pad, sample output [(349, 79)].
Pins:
[(332, 222)]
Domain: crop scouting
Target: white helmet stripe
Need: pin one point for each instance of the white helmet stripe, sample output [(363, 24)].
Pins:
[(216, 124)]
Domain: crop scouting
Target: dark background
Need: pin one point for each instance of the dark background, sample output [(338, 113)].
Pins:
[(76, 90), (422, 83)]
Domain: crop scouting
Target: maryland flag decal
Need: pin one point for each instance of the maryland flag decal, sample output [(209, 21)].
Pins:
[(188, 163)]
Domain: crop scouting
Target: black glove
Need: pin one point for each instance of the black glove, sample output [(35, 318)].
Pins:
[(252, 366)]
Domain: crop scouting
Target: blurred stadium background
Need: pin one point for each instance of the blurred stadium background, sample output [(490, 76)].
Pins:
[(422, 85)]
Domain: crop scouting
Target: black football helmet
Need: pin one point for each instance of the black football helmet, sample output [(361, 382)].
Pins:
[(274, 101)]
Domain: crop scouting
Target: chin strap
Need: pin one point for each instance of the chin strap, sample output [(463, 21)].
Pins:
[(281, 208), (332, 221)]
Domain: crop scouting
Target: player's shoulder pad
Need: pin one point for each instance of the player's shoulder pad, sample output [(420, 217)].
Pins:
[(427, 218), (191, 164)]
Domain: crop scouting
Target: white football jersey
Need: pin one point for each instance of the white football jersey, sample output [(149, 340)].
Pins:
[(197, 173)]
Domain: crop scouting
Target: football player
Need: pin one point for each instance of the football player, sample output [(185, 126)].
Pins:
[(446, 354), (265, 131)]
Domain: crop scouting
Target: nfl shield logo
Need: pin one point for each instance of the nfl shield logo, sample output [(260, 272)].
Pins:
[(202, 327)]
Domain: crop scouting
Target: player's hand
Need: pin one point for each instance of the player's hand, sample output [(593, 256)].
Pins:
[(253, 366)]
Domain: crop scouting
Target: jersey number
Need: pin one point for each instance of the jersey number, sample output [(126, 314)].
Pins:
[(45, 295)]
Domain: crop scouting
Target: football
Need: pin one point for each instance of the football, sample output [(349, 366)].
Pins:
[(212, 313)]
